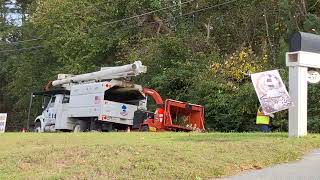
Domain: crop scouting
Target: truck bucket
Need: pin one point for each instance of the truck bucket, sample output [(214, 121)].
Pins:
[(182, 116)]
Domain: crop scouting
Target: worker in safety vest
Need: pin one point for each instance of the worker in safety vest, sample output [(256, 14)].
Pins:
[(263, 120)]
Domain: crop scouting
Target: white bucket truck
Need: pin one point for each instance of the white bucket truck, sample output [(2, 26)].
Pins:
[(98, 101)]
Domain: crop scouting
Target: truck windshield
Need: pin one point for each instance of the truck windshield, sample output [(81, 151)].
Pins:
[(53, 100), (124, 95), (45, 101)]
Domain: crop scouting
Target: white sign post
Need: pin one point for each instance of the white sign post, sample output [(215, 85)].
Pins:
[(3, 120), (298, 63), (304, 53)]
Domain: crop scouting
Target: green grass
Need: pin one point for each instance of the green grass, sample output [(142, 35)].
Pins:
[(144, 155)]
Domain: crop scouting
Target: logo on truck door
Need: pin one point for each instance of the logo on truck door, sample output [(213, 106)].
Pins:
[(124, 110)]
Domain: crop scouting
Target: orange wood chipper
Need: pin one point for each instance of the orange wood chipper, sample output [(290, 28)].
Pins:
[(171, 115)]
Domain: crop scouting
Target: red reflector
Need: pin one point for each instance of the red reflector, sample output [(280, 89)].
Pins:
[(104, 117), (108, 85)]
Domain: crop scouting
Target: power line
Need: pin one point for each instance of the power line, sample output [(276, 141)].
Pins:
[(147, 13), (18, 42), (128, 18), (113, 22), (186, 14), (200, 10), (207, 8), (166, 20), (21, 49)]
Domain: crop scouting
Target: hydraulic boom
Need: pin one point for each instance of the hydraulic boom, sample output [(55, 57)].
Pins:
[(106, 73)]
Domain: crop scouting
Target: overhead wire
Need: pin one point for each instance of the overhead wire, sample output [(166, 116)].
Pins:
[(129, 18), (113, 22), (200, 10), (18, 42), (181, 15), (151, 12), (22, 49), (209, 7), (147, 13)]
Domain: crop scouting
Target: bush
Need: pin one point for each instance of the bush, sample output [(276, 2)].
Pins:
[(313, 108)]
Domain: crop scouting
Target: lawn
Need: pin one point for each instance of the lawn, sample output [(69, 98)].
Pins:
[(144, 155)]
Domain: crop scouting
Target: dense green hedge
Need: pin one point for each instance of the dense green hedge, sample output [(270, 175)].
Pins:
[(184, 61)]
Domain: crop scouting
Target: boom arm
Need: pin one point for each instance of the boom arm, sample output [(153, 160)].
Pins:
[(106, 73)]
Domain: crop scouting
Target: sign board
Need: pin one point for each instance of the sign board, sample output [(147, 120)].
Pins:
[(272, 93), (313, 77), (3, 120)]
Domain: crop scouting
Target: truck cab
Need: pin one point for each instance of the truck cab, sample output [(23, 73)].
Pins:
[(53, 104)]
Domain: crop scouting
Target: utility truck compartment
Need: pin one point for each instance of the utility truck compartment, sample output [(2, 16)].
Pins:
[(127, 95), (109, 102), (120, 104), (118, 112)]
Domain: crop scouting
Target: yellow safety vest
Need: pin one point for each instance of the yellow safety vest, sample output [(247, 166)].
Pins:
[(262, 118)]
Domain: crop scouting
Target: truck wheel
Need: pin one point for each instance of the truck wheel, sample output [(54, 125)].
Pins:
[(37, 127), (79, 126)]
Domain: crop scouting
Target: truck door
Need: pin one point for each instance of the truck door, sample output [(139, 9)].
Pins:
[(50, 113)]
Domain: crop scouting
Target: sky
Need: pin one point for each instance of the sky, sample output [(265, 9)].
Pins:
[(13, 17)]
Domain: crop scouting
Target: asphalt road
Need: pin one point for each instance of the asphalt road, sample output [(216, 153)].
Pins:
[(306, 169)]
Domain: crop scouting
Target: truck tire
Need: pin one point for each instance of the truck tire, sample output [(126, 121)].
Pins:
[(37, 127), (144, 128), (79, 126)]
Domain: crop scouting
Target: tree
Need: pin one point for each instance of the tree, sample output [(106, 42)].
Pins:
[(186, 60)]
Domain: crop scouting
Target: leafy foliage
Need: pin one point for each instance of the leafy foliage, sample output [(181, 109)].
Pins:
[(202, 57)]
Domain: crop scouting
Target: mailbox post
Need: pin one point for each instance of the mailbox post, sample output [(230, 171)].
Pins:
[(304, 53)]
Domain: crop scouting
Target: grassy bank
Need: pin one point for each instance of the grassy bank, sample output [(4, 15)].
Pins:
[(144, 155)]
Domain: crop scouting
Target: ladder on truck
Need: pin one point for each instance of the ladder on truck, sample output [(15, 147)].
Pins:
[(105, 73)]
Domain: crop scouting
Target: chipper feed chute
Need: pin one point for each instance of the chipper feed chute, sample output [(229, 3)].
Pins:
[(182, 116)]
